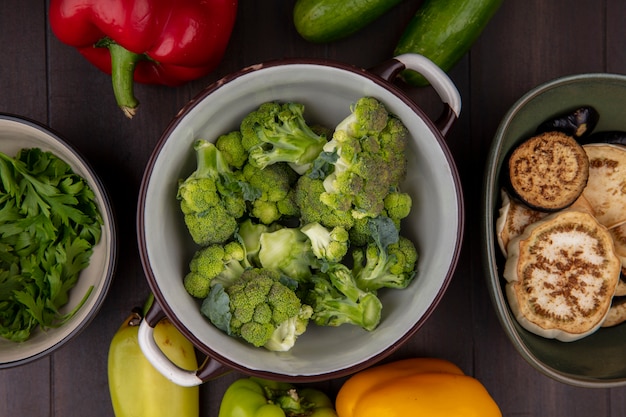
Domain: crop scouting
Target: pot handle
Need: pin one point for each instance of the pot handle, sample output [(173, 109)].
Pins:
[(209, 369), (438, 79)]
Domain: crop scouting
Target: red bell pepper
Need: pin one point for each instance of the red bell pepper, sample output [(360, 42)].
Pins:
[(148, 41)]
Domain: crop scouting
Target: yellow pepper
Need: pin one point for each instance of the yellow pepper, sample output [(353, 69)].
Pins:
[(137, 389), (414, 387)]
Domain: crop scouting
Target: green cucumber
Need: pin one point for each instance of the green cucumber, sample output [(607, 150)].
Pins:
[(443, 31), (323, 21)]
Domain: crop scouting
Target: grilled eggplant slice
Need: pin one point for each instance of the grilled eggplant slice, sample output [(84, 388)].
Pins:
[(619, 240), (561, 275), (620, 290), (617, 313), (549, 171), (606, 186), (513, 218), (577, 123)]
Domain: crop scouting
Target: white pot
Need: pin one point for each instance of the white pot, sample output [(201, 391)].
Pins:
[(327, 89)]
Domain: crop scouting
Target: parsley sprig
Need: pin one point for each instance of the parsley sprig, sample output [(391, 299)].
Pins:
[(49, 224)]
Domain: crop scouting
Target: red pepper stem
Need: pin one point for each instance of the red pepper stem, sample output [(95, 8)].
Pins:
[(123, 64)]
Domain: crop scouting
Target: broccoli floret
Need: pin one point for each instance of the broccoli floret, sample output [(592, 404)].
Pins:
[(231, 147), (259, 309), (214, 264), (394, 140), (361, 232), (397, 206), (388, 261), (336, 300), (278, 132), (367, 117), (276, 198), (369, 146), (288, 251), (328, 245), (212, 198), (308, 193)]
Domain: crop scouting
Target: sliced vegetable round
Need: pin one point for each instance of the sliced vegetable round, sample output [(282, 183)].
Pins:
[(548, 171), (513, 219), (561, 275), (619, 240), (606, 188)]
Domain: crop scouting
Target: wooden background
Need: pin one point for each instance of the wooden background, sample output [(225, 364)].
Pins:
[(527, 43)]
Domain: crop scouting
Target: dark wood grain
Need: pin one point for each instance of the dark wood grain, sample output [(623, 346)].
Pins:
[(527, 43)]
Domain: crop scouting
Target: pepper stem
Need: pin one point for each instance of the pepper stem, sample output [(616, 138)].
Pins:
[(123, 64)]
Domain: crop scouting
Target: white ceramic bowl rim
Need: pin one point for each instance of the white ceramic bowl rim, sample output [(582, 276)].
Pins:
[(235, 88)]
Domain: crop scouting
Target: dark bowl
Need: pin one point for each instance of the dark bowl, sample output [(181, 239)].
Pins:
[(597, 360)]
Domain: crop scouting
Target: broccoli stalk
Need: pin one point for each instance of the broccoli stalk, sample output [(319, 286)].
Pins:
[(285, 335), (328, 245), (387, 261), (288, 251), (259, 309), (212, 198), (249, 236), (278, 132), (337, 300)]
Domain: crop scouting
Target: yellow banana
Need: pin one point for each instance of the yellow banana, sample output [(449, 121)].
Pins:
[(137, 389)]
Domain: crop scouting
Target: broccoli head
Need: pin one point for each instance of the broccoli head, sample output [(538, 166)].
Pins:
[(394, 140), (276, 198), (397, 206), (388, 261), (368, 116), (213, 264), (212, 198), (278, 132), (370, 160), (308, 192), (259, 309), (336, 300), (231, 146)]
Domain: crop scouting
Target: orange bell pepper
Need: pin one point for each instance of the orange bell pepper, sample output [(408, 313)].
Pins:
[(415, 387)]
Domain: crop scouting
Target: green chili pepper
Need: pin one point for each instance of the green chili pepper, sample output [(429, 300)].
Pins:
[(256, 397)]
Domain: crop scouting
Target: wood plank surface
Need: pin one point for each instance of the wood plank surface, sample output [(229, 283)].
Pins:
[(527, 43)]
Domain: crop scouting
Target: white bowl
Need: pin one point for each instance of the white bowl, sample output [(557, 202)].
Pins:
[(327, 89), (17, 133)]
